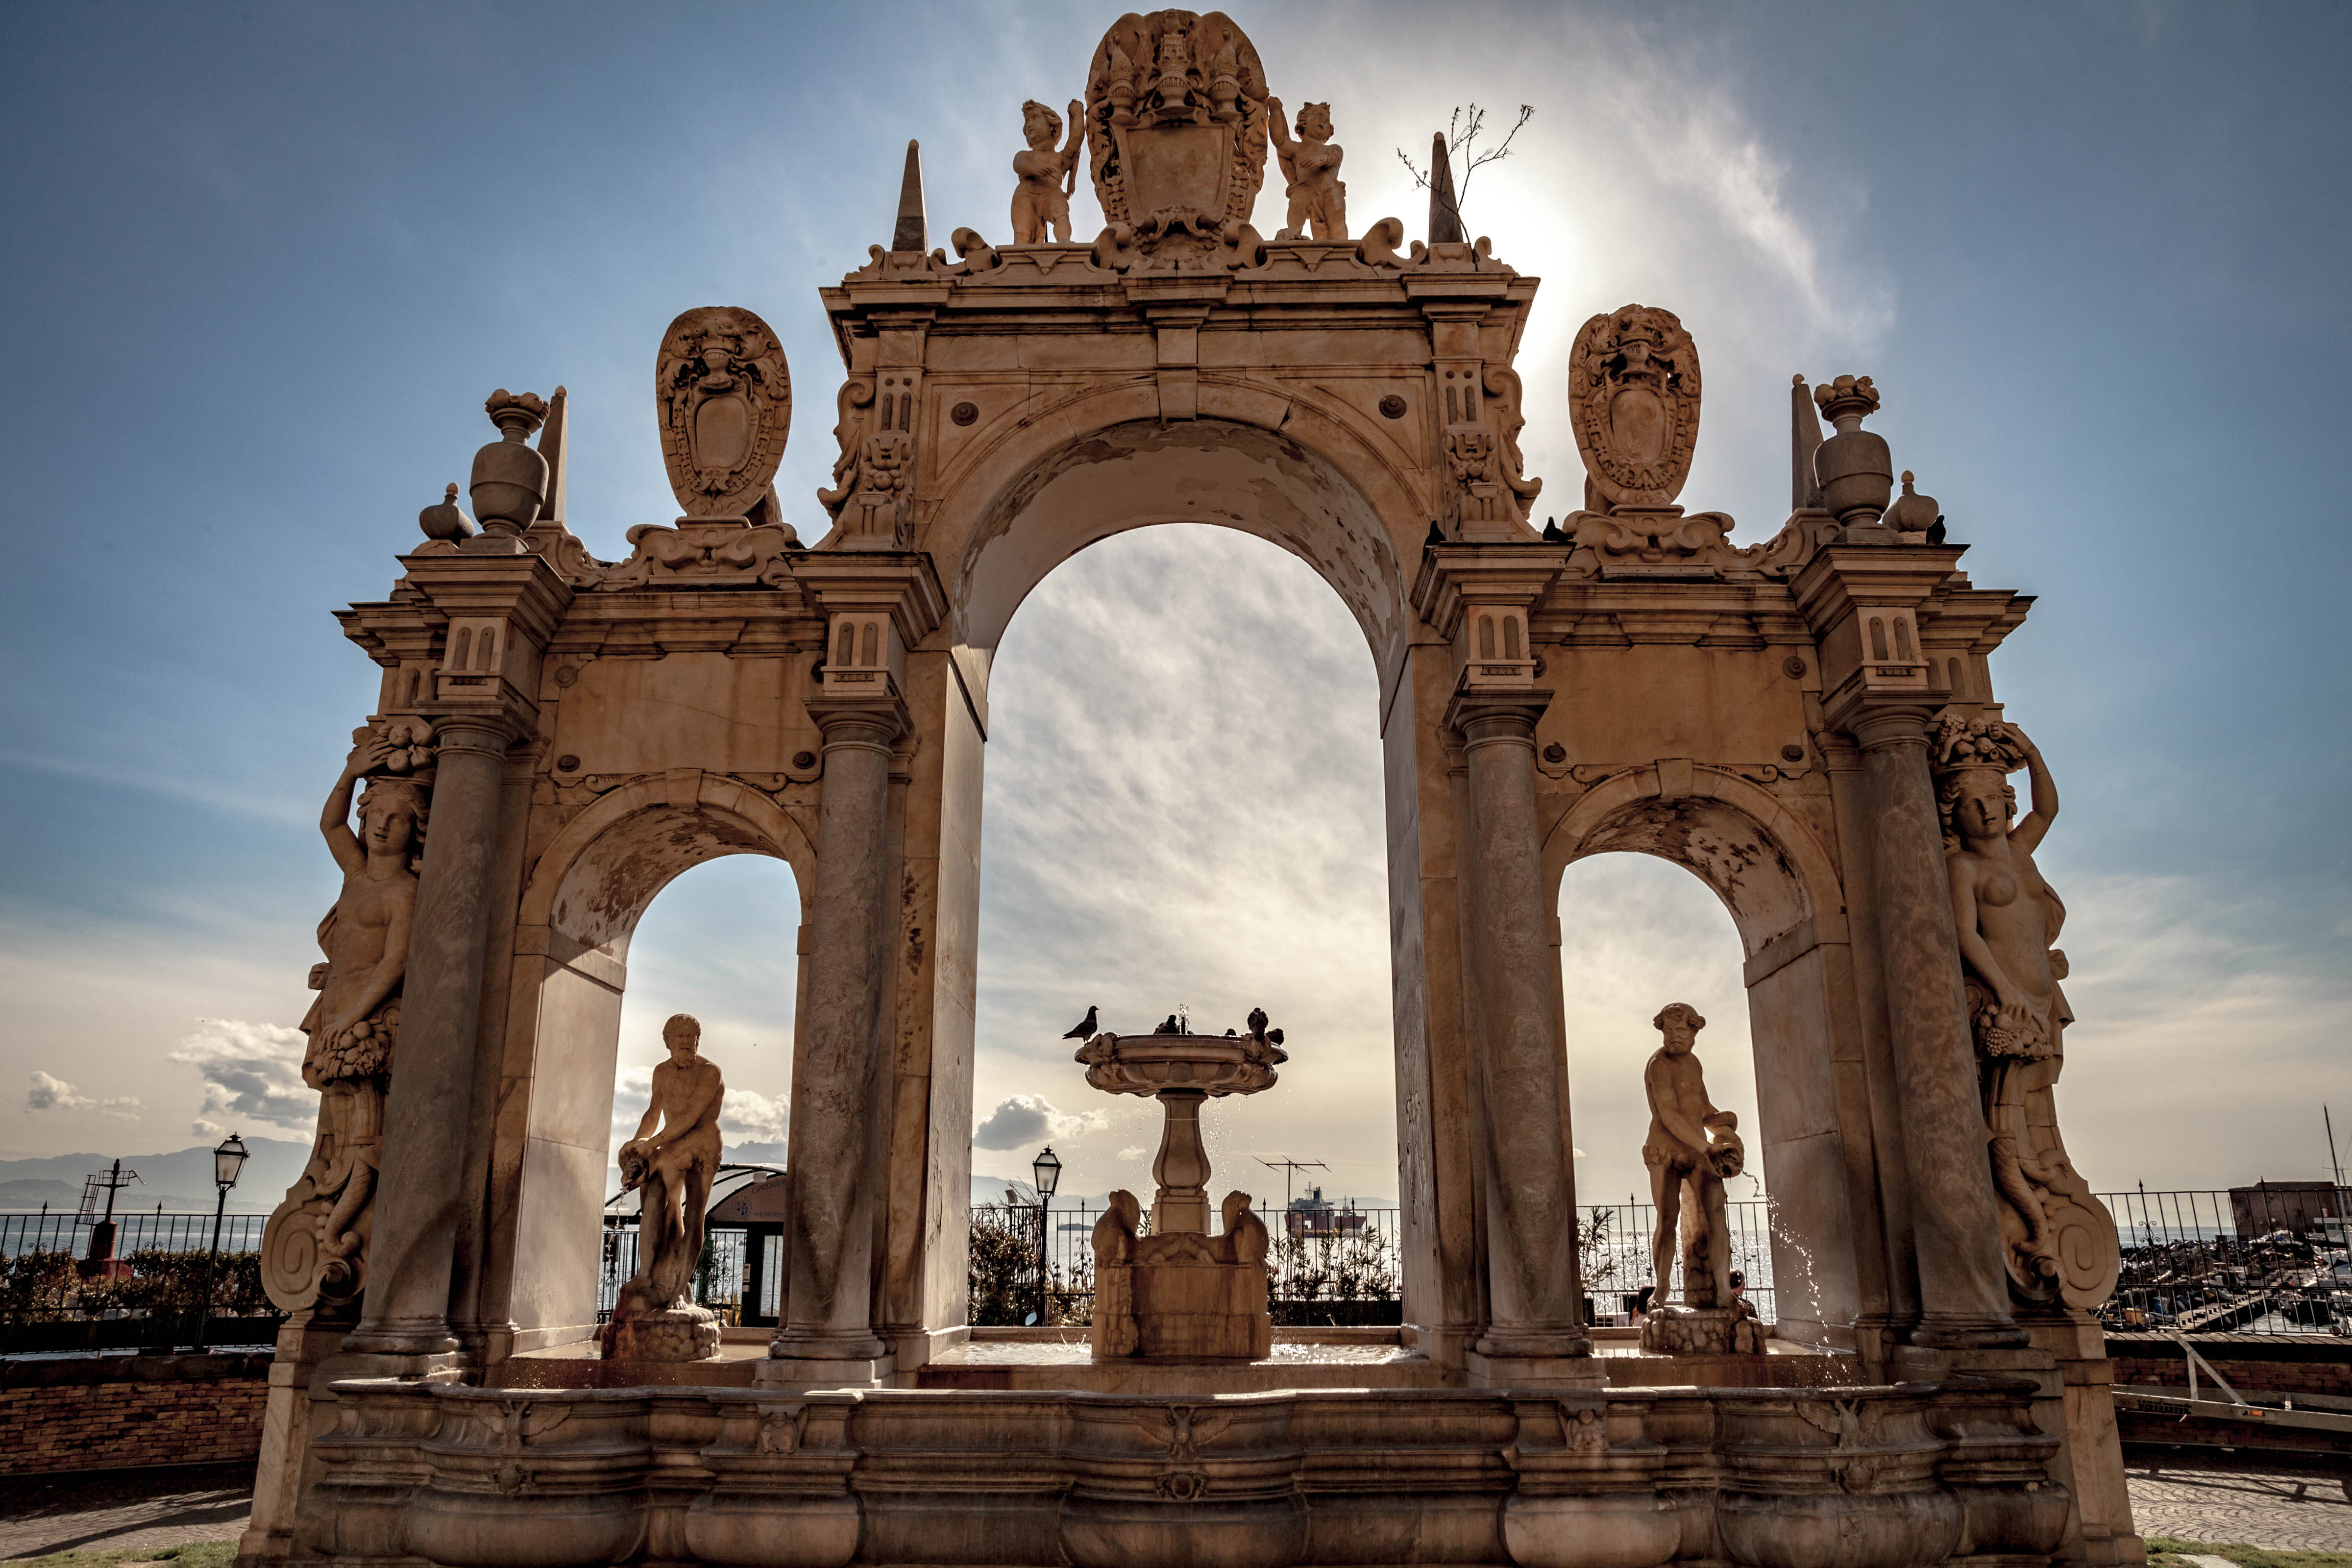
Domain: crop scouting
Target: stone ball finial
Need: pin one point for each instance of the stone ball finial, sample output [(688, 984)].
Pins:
[(446, 521)]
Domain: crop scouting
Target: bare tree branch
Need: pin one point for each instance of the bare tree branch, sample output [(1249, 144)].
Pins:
[(1463, 128)]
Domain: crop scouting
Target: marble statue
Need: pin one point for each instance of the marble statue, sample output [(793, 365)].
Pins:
[(1311, 164), (314, 1251), (2007, 917), (1691, 1149), (671, 1171), (1040, 203)]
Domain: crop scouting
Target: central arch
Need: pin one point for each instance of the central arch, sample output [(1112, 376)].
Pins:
[(1312, 476)]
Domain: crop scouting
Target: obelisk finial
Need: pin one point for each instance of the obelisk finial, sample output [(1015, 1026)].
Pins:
[(1444, 214), (1804, 438), (912, 233)]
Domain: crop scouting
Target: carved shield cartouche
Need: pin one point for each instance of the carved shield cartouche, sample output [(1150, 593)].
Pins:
[(726, 404), (1632, 395), (1176, 121)]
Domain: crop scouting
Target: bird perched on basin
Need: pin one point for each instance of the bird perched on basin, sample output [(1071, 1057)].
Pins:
[(1257, 1023), (1274, 1036), (1085, 1030)]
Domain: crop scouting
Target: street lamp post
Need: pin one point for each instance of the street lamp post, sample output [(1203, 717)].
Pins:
[(228, 1159), (1047, 1169)]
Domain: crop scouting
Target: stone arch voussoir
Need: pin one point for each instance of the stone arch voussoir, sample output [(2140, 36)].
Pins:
[(1766, 864), (602, 870)]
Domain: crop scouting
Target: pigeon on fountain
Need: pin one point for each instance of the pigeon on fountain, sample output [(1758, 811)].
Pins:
[(1274, 1036), (1257, 1023), (1085, 1030)]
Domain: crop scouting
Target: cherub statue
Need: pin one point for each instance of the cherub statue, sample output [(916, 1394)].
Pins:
[(2007, 917), (1041, 201), (1692, 1149), (1311, 164), (671, 1171)]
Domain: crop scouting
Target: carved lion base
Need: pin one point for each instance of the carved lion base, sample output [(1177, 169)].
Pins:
[(1700, 1331), (679, 1333)]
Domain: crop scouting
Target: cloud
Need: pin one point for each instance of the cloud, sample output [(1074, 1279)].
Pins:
[(56, 1094), (1134, 1151), (748, 1116), (1024, 1119), (252, 1072)]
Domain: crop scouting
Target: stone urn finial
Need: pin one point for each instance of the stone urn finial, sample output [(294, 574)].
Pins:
[(1853, 467), (510, 482)]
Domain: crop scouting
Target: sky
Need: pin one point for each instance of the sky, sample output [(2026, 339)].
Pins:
[(261, 263)]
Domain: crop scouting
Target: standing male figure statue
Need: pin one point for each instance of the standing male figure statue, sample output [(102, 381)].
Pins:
[(671, 1171), (1691, 1149)]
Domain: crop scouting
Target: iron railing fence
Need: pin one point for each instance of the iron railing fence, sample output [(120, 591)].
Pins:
[(2248, 1261), (2254, 1260), (134, 1231)]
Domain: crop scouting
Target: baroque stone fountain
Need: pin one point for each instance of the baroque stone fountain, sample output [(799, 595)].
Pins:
[(1177, 1293)]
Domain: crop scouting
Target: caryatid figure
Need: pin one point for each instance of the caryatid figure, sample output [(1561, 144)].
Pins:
[(1692, 1149), (1040, 203), (1311, 165), (353, 1023), (2007, 917), (672, 1169)]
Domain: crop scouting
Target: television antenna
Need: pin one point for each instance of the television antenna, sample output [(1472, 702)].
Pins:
[(1289, 1168)]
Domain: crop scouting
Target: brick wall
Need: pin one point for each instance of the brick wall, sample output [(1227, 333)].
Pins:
[(99, 1412), (2301, 1365)]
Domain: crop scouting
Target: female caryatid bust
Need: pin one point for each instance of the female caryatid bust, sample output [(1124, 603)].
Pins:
[(1040, 203), (1311, 165)]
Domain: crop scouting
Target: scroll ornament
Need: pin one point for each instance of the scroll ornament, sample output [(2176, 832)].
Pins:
[(2059, 1241), (1633, 397), (314, 1248), (726, 403)]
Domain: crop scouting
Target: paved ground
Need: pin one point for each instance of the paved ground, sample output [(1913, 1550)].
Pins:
[(170, 1507), (2302, 1511), (167, 1506)]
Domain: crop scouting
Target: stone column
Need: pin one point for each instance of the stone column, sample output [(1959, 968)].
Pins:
[(1536, 1300), (827, 1334), (1963, 1287), (421, 1197)]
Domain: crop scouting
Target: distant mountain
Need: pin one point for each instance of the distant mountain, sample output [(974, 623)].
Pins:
[(181, 1181)]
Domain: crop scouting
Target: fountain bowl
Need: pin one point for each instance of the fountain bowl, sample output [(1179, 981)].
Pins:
[(1211, 1065)]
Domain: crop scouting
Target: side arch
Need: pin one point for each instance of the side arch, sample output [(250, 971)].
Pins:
[(1782, 889), (578, 911)]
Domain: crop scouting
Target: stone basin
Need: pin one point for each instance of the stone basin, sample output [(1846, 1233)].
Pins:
[(1212, 1065)]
